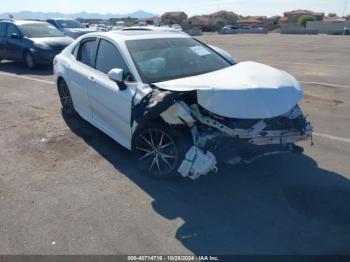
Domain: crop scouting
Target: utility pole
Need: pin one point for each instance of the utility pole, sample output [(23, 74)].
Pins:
[(345, 6)]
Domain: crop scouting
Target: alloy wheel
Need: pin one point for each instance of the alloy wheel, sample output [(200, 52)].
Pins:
[(156, 152), (65, 98), (30, 61)]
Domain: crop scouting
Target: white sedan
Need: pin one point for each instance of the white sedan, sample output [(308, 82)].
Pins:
[(180, 105)]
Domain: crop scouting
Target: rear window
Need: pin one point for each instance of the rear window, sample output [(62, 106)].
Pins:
[(40, 30), (70, 24)]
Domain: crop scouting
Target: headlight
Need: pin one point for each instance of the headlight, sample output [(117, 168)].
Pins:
[(42, 46)]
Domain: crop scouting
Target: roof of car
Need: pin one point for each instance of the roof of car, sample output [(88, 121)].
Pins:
[(23, 22), (136, 35), (64, 19)]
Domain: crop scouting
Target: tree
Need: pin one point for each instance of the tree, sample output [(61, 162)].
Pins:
[(332, 15), (241, 17), (302, 21), (220, 23)]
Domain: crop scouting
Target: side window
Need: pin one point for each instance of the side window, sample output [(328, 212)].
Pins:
[(87, 51), (52, 23), (11, 29), (109, 57), (2, 29), (75, 51)]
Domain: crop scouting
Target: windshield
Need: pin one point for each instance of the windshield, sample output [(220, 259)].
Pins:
[(70, 24), (40, 30), (170, 58)]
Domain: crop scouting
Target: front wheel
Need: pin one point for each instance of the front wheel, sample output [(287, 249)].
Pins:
[(159, 150), (65, 98), (29, 60)]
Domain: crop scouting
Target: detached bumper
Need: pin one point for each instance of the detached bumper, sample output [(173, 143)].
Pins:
[(282, 137)]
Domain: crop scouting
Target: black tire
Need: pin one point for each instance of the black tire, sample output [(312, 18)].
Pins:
[(65, 98), (29, 60), (158, 149)]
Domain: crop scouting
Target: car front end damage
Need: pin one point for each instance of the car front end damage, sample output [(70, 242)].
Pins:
[(216, 139)]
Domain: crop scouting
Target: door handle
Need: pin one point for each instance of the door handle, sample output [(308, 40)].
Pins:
[(92, 79)]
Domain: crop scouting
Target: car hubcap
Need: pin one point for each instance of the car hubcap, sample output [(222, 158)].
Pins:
[(30, 61), (156, 151)]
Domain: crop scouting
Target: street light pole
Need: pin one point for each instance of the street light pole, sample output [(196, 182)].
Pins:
[(345, 6)]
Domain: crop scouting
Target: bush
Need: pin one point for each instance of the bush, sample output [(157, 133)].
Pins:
[(302, 21), (220, 23)]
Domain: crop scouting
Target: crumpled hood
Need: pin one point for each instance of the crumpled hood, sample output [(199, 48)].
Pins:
[(248, 90)]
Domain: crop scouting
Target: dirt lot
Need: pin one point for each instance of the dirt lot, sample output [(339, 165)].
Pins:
[(66, 188)]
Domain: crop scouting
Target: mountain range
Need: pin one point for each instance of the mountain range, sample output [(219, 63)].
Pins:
[(140, 14)]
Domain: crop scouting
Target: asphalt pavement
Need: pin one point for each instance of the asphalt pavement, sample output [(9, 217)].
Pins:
[(66, 188)]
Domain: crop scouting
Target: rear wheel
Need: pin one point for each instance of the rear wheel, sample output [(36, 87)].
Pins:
[(29, 60), (159, 150), (65, 98)]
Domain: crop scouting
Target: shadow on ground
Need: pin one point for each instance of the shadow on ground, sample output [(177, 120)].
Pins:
[(20, 69), (279, 205)]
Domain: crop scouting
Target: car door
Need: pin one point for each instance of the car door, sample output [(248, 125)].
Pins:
[(2, 40), (13, 48), (79, 70), (111, 107)]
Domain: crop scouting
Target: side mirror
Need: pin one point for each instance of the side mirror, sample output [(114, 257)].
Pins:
[(117, 75), (15, 36)]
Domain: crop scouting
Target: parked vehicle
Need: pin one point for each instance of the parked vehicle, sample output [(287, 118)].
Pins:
[(177, 104), (176, 27), (99, 28), (222, 52), (31, 42), (70, 27), (117, 27), (229, 27), (151, 28)]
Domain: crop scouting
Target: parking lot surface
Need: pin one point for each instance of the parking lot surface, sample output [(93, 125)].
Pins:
[(66, 188)]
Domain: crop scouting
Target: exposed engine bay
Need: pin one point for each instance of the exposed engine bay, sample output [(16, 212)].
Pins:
[(217, 139)]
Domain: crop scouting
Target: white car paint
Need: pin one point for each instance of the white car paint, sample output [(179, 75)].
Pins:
[(99, 100), (247, 90)]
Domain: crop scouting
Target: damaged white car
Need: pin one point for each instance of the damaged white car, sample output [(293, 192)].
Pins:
[(181, 106)]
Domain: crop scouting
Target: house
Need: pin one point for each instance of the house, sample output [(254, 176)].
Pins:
[(208, 22), (170, 18), (196, 22), (292, 17), (253, 21), (229, 17), (274, 20), (151, 21)]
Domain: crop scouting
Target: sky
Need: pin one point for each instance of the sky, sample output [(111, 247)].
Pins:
[(191, 7)]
